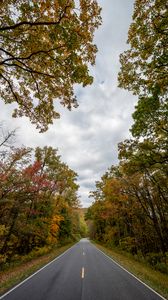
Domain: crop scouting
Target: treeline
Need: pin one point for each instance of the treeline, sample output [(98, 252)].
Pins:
[(38, 201), (130, 209)]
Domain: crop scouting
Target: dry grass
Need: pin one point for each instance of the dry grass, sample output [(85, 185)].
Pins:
[(155, 279)]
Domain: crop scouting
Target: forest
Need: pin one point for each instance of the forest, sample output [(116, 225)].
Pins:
[(130, 208), (44, 53)]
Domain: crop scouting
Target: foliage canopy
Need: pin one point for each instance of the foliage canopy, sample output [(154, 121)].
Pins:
[(46, 48), (144, 67)]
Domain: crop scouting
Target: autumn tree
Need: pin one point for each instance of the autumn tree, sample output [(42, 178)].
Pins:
[(130, 209), (12, 197), (145, 167), (62, 177), (38, 202), (46, 48), (112, 212)]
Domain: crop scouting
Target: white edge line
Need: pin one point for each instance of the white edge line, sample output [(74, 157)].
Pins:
[(130, 273), (15, 287)]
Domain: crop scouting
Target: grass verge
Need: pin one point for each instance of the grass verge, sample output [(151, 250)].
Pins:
[(155, 279), (15, 274)]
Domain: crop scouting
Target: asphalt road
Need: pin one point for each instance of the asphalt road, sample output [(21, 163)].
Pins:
[(82, 273)]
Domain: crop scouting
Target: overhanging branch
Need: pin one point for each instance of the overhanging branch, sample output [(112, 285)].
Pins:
[(31, 24)]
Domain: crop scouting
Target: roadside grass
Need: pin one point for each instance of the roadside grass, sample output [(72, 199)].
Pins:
[(16, 273), (154, 279)]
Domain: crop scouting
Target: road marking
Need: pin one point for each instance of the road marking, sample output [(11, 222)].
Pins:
[(83, 253), (83, 272), (4, 295), (130, 273)]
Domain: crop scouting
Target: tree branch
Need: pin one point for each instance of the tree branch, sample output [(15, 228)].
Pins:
[(13, 93), (29, 70), (11, 27), (11, 87), (29, 56)]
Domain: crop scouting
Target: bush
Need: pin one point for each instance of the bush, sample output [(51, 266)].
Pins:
[(157, 261), (36, 253), (128, 244), (154, 258), (162, 267), (76, 237), (3, 258)]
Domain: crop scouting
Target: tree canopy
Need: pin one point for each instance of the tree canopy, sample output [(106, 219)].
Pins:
[(144, 67), (46, 48)]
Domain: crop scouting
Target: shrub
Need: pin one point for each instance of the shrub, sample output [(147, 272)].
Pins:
[(162, 267)]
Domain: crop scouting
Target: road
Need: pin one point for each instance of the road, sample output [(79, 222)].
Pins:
[(82, 273)]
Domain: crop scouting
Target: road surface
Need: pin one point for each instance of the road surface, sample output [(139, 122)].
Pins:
[(82, 273)]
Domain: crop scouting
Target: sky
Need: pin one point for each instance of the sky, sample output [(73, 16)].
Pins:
[(87, 137)]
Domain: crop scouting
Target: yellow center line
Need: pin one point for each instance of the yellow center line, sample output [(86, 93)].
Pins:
[(83, 272)]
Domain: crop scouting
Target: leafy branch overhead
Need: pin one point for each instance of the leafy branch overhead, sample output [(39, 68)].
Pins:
[(46, 48), (144, 67)]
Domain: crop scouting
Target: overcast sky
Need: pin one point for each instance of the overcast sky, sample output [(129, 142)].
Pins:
[(87, 137)]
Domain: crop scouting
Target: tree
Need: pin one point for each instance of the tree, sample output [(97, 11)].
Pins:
[(46, 48), (144, 72), (38, 201), (62, 177), (130, 208), (144, 66), (12, 196), (144, 165)]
